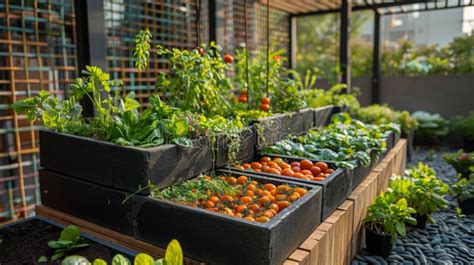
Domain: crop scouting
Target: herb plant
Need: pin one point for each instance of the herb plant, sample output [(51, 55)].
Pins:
[(69, 240), (464, 126), (387, 215), (422, 189), (382, 114), (461, 161), (464, 188)]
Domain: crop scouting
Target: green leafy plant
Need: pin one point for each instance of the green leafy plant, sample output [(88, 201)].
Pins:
[(173, 256), (346, 142), (334, 96), (142, 49), (283, 83), (69, 240), (382, 114), (423, 191), (389, 215), (464, 188), (464, 126), (430, 125), (461, 161)]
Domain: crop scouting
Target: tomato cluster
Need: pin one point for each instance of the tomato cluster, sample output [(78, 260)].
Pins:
[(265, 104), (252, 201), (305, 169)]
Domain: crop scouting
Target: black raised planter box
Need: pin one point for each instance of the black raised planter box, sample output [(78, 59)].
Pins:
[(125, 168), (272, 129), (23, 242), (322, 116), (301, 121), (358, 174), (86, 200), (220, 239), (247, 147), (336, 187)]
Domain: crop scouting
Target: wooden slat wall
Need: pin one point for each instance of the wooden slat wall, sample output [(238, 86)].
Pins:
[(338, 239)]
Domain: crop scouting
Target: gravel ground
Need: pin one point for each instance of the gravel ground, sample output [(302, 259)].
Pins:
[(449, 241)]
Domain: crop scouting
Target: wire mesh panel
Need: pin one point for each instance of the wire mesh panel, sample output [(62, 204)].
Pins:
[(37, 51), (232, 27), (171, 23)]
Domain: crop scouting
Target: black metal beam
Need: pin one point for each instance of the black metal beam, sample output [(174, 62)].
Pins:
[(91, 41), (376, 59), (344, 49), (364, 7), (212, 20)]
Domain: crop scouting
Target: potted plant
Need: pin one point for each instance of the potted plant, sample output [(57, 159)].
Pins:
[(464, 191), (461, 161), (464, 127), (385, 220), (423, 191)]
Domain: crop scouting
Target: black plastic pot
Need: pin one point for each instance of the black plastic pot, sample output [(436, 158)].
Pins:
[(125, 168), (467, 206), (247, 147), (216, 238), (410, 147), (467, 144), (378, 244), (421, 221), (336, 187), (92, 202), (322, 115)]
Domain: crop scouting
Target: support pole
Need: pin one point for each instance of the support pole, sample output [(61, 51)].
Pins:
[(344, 52), (376, 60), (91, 41), (212, 4), (292, 42)]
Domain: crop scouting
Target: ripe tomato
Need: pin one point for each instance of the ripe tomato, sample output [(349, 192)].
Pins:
[(315, 170), (251, 187), (295, 164), (265, 107), (284, 166), (263, 200), (241, 208), (306, 164), (268, 214), (265, 168), (201, 51), (318, 179), (301, 191), (228, 59), (278, 160), (255, 208), (275, 207), (250, 218), (232, 180), (283, 204), (265, 101), (243, 99), (306, 172), (226, 198), (209, 204), (262, 219), (287, 172), (255, 165), (329, 171), (296, 169), (274, 171), (265, 159), (323, 166), (269, 187), (242, 180), (298, 175), (239, 167), (246, 199), (246, 166), (214, 199)]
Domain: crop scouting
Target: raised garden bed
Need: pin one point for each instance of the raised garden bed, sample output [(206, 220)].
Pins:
[(121, 167), (247, 147), (220, 239), (322, 115), (86, 200), (336, 187), (301, 121), (24, 242)]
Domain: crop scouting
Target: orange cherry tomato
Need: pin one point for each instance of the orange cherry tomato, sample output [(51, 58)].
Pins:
[(246, 166), (274, 171), (329, 171), (265, 101), (283, 204), (306, 172), (306, 164), (278, 160), (265, 159), (296, 169), (265, 107), (295, 164), (265, 168), (242, 180), (315, 170), (262, 219), (255, 165), (323, 166), (298, 175), (228, 59), (301, 191), (246, 199), (284, 166), (288, 172), (318, 179)]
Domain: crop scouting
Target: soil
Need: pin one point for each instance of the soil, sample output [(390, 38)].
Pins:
[(24, 243)]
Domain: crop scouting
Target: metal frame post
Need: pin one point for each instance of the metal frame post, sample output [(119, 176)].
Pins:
[(376, 59), (212, 5), (292, 42), (344, 52), (91, 40)]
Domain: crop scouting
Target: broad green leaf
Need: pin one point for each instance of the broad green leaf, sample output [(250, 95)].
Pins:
[(401, 229), (69, 233), (143, 259), (99, 262), (120, 260), (174, 253), (43, 259), (75, 260)]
